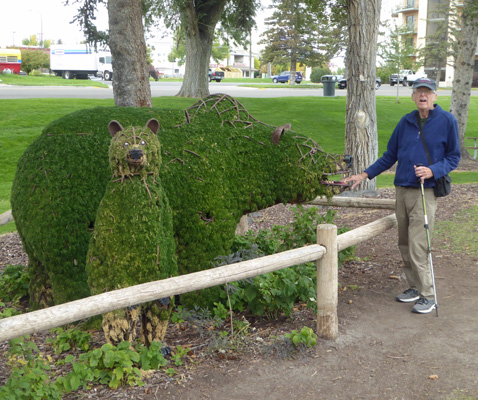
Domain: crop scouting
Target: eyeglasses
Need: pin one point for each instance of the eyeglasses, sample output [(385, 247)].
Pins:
[(425, 92)]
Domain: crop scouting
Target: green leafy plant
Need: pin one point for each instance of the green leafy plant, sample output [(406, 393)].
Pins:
[(152, 357), (170, 372), (305, 337), (70, 339), (111, 365), (220, 311), (29, 378), (6, 312), (276, 292), (178, 355), (14, 283)]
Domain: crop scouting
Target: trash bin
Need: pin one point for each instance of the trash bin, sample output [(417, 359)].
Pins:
[(329, 85)]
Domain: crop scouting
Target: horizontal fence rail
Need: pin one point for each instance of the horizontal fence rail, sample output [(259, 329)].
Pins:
[(6, 217), (62, 314), (327, 284), (361, 202)]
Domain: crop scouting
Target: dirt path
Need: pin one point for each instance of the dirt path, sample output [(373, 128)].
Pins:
[(384, 351)]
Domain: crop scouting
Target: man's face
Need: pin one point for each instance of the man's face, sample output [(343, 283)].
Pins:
[(424, 98)]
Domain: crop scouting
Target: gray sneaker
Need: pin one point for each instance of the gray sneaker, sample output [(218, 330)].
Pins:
[(424, 306), (408, 296)]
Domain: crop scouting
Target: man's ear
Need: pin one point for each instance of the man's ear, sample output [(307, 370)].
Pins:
[(114, 127)]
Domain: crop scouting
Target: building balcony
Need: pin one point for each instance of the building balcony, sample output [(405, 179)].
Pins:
[(405, 6)]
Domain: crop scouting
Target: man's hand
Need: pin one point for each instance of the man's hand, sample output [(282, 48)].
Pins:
[(423, 173), (357, 179)]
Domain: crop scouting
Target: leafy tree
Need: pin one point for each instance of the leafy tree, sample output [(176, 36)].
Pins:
[(32, 41), (34, 59), (317, 73), (127, 44), (441, 42), (398, 52), (198, 19)]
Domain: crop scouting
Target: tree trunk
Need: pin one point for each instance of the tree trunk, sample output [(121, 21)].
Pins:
[(293, 68), (199, 18), (198, 55), (360, 122), (464, 66), (128, 48)]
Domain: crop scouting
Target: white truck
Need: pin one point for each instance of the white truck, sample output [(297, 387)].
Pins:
[(406, 77), (80, 61)]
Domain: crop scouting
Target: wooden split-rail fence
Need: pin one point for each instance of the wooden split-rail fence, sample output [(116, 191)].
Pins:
[(474, 147), (324, 253)]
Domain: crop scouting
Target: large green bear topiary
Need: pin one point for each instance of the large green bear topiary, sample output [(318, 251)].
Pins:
[(133, 240), (218, 163)]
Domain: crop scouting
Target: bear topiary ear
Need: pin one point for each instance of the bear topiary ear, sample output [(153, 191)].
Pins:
[(153, 124), (278, 132), (114, 127)]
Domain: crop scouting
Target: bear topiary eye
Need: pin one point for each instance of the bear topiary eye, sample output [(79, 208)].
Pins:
[(143, 143), (125, 144)]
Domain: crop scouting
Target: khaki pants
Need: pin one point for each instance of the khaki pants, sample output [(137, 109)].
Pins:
[(412, 236)]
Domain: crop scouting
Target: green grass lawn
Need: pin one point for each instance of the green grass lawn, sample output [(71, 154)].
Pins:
[(47, 80), (322, 118)]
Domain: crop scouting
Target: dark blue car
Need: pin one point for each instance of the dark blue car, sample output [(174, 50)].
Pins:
[(285, 77)]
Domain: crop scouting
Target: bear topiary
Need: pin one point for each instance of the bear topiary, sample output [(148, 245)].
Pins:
[(133, 240), (219, 163)]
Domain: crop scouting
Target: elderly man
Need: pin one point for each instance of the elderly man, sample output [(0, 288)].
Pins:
[(440, 130)]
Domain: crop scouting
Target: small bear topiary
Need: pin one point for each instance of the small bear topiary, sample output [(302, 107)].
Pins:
[(133, 240), (218, 163)]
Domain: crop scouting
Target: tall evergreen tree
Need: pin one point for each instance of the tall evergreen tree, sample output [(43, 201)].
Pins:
[(291, 37)]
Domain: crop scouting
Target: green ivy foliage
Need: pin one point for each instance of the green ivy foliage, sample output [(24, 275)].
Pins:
[(218, 163)]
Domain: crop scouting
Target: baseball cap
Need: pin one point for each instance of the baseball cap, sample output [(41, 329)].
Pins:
[(425, 82)]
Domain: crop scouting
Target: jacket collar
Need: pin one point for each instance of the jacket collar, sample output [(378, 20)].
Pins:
[(412, 117)]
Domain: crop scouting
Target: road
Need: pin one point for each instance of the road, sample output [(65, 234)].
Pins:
[(159, 89)]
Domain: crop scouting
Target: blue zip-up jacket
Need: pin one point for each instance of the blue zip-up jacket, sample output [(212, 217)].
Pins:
[(405, 146)]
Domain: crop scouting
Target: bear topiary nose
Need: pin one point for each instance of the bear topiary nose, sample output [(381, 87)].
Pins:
[(135, 154)]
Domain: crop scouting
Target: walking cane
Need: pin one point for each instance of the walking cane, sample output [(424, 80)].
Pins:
[(427, 228)]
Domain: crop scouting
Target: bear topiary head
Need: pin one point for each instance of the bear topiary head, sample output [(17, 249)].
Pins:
[(134, 151)]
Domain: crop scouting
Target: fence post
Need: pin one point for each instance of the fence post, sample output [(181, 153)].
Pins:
[(327, 283)]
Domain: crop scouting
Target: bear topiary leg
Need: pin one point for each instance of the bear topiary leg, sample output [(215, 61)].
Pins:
[(41, 294), (120, 325), (154, 321)]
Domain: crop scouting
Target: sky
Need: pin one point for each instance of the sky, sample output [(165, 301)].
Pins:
[(19, 19), (22, 18)]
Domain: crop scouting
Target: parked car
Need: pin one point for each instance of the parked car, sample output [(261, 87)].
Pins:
[(406, 77), (285, 77), (343, 83), (216, 75)]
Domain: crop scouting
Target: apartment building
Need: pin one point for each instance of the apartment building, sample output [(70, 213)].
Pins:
[(424, 19)]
